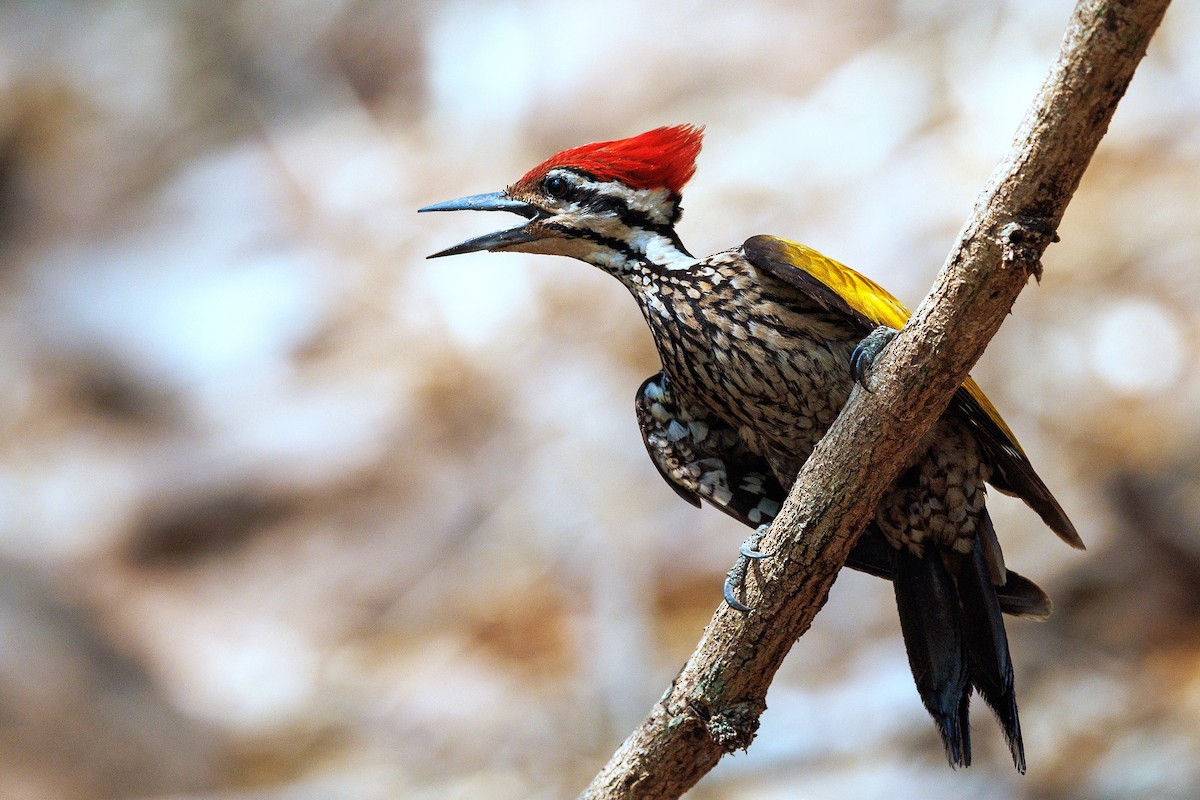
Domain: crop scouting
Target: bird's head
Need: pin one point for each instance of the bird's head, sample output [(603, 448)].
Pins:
[(614, 204)]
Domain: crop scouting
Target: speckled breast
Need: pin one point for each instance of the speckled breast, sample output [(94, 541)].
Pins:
[(752, 355)]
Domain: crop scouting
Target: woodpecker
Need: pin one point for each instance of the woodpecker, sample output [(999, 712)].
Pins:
[(760, 347)]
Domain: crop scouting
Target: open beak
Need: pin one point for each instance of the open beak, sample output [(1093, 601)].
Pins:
[(493, 201)]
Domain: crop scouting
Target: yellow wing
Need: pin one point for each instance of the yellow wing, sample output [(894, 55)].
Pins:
[(839, 289), (867, 300)]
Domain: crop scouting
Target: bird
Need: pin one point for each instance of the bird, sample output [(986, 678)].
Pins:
[(760, 346)]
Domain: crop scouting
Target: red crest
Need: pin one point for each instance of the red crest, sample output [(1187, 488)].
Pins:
[(661, 158)]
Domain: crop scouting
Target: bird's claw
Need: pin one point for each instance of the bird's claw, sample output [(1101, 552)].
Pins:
[(729, 591), (735, 580), (867, 351), (747, 548)]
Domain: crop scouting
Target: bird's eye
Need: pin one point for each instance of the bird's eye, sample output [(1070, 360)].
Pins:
[(556, 186)]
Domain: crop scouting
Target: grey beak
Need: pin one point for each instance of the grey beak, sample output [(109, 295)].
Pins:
[(493, 201)]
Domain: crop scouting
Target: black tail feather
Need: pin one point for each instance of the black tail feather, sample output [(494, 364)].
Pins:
[(951, 615), (1022, 597), (987, 647), (1018, 596), (931, 622)]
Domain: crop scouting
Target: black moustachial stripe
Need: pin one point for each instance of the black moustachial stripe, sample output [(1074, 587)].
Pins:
[(609, 242)]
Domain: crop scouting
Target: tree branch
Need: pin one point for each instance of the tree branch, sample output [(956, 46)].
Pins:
[(713, 706)]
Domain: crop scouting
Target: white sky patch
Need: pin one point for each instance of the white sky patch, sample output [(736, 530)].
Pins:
[(1137, 346), (212, 294), (248, 671), (479, 297), (69, 503), (483, 66), (878, 679), (492, 65), (850, 124)]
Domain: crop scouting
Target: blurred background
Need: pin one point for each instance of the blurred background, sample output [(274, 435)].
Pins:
[(288, 512)]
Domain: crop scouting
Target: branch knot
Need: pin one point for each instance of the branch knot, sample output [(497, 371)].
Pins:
[(1024, 240), (735, 727)]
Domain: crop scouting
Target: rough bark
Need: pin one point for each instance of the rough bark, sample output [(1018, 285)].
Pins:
[(713, 706)]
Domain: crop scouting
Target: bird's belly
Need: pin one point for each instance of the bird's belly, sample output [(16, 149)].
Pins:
[(780, 396)]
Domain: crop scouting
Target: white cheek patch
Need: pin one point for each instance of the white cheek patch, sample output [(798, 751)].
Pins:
[(660, 250)]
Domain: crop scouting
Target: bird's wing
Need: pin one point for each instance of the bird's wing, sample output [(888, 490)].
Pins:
[(840, 290), (833, 286), (1012, 473), (701, 457)]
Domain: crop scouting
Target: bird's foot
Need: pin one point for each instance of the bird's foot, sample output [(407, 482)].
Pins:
[(867, 351), (735, 580)]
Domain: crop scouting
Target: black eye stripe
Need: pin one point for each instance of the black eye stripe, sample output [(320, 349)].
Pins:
[(596, 201), (601, 203)]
